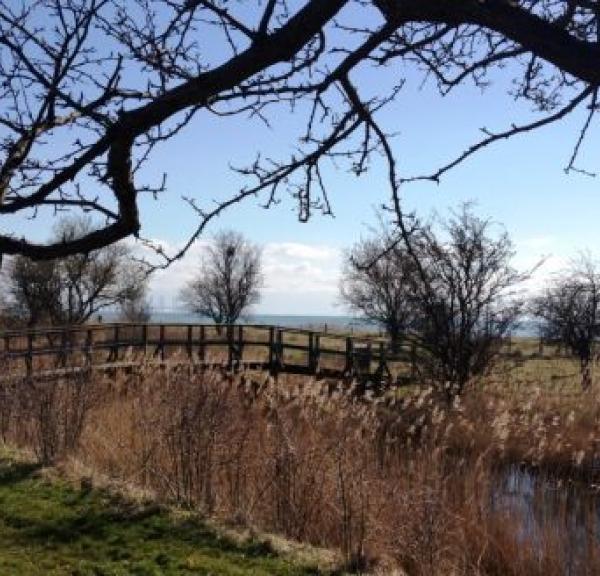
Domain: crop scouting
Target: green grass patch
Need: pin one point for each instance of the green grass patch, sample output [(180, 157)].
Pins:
[(49, 528)]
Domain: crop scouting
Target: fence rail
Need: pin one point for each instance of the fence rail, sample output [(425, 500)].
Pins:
[(277, 349)]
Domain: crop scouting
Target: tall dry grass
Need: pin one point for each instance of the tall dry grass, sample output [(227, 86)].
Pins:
[(403, 482)]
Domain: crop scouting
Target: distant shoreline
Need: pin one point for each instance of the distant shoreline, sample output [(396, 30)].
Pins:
[(316, 321)]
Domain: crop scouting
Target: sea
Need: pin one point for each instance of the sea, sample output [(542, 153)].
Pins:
[(339, 323), (313, 322)]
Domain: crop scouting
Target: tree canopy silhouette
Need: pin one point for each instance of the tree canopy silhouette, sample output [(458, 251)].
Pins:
[(383, 290), (89, 88), (228, 281), (71, 290), (569, 311)]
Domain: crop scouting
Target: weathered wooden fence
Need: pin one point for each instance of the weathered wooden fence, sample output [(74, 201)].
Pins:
[(47, 351)]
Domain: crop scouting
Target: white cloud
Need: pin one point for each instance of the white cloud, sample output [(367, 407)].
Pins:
[(544, 255), (302, 278), (299, 278), (296, 269)]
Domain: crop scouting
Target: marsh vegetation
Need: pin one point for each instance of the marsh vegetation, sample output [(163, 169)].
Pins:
[(500, 481)]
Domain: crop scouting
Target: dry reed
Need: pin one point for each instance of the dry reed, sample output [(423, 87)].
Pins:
[(398, 482)]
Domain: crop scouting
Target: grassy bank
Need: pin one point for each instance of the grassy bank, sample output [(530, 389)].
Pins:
[(49, 528)]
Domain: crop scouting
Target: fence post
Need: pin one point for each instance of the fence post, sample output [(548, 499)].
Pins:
[(161, 342), (541, 346), (63, 347), (279, 349), (189, 341), (314, 352), (312, 364), (29, 359), (230, 345), (369, 359), (145, 339), (89, 342), (271, 347), (349, 368), (202, 345), (240, 346), (382, 370)]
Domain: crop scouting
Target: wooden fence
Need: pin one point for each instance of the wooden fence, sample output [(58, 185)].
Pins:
[(34, 353)]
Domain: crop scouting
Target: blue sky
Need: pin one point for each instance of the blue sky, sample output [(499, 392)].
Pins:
[(520, 183)]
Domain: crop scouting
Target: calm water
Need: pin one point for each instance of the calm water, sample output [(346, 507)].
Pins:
[(570, 510), (336, 323), (345, 323)]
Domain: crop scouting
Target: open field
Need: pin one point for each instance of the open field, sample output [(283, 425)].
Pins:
[(32, 352), (265, 347)]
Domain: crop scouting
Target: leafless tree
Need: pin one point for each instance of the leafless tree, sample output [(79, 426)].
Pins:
[(88, 88), (136, 307), (71, 290), (228, 280), (378, 284), (467, 297), (569, 311), (31, 291)]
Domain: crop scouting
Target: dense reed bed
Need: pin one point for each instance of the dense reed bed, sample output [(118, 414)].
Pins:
[(400, 482)]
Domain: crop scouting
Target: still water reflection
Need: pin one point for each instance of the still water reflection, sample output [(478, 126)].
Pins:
[(550, 512)]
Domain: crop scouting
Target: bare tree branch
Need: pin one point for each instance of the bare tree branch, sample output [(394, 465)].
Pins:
[(89, 87)]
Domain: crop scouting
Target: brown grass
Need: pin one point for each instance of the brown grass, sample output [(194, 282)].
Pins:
[(399, 482)]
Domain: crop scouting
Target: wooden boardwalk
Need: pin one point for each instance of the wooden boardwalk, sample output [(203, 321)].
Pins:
[(50, 352)]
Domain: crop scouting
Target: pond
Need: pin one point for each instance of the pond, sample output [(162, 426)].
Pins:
[(547, 510)]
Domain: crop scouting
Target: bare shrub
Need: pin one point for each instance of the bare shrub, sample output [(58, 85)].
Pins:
[(190, 422), (377, 283), (569, 312), (241, 450), (467, 298), (51, 415), (7, 401)]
